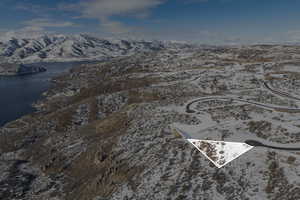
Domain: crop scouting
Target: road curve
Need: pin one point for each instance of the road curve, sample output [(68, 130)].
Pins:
[(253, 142), (280, 93), (190, 110), (256, 143)]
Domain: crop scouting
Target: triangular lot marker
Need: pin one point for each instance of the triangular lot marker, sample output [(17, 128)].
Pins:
[(220, 153)]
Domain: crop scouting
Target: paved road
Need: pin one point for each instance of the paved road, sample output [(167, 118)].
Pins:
[(256, 143), (253, 142), (190, 110), (280, 93)]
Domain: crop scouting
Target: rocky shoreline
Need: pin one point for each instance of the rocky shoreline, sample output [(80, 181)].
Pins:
[(9, 69)]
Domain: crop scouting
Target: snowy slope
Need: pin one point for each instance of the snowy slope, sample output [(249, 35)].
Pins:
[(69, 47)]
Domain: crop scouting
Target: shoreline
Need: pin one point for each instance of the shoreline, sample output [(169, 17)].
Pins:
[(33, 107)]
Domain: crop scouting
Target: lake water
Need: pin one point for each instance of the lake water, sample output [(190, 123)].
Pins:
[(17, 93)]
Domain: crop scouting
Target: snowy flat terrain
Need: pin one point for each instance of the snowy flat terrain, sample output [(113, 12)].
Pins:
[(219, 152)]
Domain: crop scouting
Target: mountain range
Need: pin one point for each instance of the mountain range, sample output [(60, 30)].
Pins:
[(53, 47)]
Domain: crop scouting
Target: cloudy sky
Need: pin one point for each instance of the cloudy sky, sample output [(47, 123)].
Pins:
[(205, 21)]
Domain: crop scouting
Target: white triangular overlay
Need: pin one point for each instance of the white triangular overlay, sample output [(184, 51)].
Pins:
[(220, 153)]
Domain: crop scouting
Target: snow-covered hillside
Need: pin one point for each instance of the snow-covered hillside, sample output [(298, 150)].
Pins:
[(69, 48), (117, 130)]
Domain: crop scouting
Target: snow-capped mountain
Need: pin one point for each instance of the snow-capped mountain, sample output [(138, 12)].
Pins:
[(69, 48)]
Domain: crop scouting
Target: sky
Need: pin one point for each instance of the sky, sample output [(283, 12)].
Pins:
[(203, 21)]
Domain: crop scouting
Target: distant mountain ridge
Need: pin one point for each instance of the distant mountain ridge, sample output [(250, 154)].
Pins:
[(70, 48)]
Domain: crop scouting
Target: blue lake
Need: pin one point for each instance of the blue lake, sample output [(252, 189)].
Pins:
[(17, 93)]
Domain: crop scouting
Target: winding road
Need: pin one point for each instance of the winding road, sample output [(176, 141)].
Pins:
[(189, 110), (280, 93), (256, 143), (268, 106)]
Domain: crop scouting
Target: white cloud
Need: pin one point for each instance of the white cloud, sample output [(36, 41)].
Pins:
[(25, 32), (104, 10), (38, 10), (107, 8), (293, 35), (44, 23), (114, 26)]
